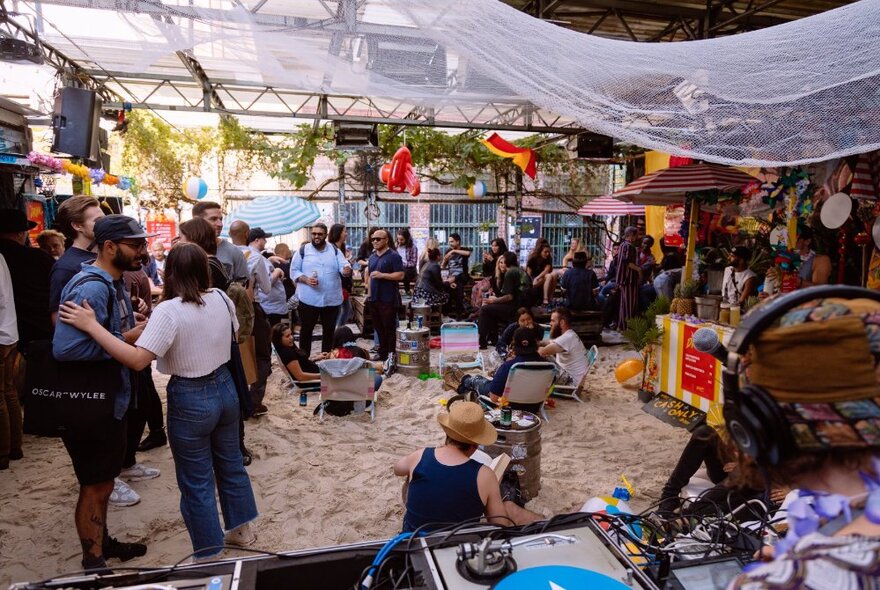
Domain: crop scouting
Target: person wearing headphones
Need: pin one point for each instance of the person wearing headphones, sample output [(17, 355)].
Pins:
[(808, 416)]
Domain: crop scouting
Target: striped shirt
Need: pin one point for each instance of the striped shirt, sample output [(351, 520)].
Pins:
[(191, 340)]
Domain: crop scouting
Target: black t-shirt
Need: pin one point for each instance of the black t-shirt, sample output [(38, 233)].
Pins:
[(29, 269), (536, 266), (289, 354), (383, 289), (579, 284), (64, 269)]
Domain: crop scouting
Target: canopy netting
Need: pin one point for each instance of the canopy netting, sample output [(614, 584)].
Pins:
[(804, 91)]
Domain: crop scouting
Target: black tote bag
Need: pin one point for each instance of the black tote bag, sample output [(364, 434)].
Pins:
[(236, 369), (75, 399)]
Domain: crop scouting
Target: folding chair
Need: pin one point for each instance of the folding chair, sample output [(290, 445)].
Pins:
[(294, 386), (575, 392), (359, 386), (529, 383), (460, 338)]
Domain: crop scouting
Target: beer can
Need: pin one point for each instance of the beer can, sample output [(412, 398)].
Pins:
[(506, 416), (303, 398), (420, 320)]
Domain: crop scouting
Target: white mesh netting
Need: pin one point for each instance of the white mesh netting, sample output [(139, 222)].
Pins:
[(805, 91)]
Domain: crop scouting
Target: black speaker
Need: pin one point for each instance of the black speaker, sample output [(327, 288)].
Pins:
[(75, 123), (595, 146)]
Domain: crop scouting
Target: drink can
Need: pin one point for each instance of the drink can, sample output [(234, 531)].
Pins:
[(303, 398), (420, 320), (506, 416)]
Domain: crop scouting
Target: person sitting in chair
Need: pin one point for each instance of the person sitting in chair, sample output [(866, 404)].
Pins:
[(570, 353), (525, 345), (297, 362), (447, 486)]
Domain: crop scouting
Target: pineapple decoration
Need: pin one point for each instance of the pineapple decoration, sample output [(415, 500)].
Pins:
[(683, 303)]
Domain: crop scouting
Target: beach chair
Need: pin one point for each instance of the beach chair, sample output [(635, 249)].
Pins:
[(460, 338), (528, 383), (576, 392), (293, 386), (356, 387)]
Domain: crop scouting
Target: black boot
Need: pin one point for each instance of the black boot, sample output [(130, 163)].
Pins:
[(122, 551), (154, 440)]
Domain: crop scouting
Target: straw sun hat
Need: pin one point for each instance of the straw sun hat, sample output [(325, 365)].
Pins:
[(465, 423)]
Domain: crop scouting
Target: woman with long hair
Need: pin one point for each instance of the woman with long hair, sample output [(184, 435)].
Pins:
[(410, 255), (190, 333), (295, 360), (201, 233), (430, 285), (539, 267), (423, 257), (338, 236), (490, 262)]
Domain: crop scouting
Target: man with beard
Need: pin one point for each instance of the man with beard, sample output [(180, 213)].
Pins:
[(121, 246), (231, 257), (318, 268), (571, 355)]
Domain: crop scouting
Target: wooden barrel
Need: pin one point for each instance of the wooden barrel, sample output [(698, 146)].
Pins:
[(413, 351), (523, 445)]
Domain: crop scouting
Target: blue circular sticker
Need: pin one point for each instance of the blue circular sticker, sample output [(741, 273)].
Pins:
[(559, 577)]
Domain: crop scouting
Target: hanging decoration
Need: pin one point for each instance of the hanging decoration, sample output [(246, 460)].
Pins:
[(836, 210), (477, 190), (866, 177), (195, 188), (399, 175), (93, 175), (524, 158)]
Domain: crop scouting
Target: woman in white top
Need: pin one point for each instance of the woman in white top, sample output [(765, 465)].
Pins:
[(190, 333)]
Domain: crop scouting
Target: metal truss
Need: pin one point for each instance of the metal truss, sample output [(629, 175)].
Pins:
[(243, 99)]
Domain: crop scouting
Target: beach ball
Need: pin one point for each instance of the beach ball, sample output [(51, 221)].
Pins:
[(477, 190), (195, 188), (628, 369)]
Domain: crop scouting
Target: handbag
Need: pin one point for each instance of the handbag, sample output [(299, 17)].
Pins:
[(74, 399)]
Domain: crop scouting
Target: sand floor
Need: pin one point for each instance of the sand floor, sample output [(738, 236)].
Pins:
[(320, 484)]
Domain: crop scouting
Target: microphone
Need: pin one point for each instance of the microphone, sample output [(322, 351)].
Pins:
[(706, 340)]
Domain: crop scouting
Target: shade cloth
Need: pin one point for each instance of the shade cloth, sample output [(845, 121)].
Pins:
[(277, 215)]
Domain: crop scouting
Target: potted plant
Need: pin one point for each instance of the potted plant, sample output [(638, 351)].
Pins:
[(641, 334)]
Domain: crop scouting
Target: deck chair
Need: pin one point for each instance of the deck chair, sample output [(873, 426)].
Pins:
[(529, 383), (293, 386), (460, 338), (576, 392), (357, 387)]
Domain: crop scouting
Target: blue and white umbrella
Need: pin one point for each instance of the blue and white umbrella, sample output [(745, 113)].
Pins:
[(276, 215)]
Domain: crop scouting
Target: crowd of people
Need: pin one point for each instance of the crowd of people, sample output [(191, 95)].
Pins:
[(93, 297)]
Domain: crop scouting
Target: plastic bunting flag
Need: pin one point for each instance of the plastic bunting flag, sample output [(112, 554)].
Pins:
[(522, 157)]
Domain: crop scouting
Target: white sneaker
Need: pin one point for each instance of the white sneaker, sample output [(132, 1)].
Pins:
[(139, 472), (243, 536), (123, 495)]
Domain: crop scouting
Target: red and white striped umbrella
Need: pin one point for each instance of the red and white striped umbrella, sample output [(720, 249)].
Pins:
[(668, 186), (606, 205), (866, 177)]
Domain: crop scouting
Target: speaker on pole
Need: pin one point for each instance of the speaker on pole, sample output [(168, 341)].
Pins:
[(75, 123)]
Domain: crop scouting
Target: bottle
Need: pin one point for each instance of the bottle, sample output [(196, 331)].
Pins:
[(303, 398)]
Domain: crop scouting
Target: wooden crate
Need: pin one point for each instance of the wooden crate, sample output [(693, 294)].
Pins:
[(362, 315)]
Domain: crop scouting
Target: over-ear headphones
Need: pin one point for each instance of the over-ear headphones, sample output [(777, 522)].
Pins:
[(754, 419)]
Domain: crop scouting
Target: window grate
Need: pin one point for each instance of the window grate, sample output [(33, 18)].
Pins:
[(466, 220)]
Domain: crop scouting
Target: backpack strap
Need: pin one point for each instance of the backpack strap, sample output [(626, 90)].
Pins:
[(91, 278)]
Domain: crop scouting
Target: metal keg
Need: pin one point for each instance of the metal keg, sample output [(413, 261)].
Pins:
[(523, 445), (413, 351)]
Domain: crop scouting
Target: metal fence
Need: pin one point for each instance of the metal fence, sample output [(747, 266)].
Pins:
[(392, 216), (466, 220), (559, 228)]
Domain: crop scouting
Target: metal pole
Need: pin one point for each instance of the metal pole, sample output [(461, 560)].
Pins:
[(518, 209)]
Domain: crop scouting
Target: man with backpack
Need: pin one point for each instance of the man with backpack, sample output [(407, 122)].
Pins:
[(317, 269)]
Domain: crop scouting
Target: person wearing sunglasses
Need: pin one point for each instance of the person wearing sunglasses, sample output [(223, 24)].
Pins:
[(317, 269), (384, 271)]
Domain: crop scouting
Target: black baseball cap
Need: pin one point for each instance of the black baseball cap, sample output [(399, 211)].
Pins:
[(257, 233), (743, 252), (13, 221), (525, 340), (117, 227)]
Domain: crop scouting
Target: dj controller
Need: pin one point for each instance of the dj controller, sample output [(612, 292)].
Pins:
[(561, 557)]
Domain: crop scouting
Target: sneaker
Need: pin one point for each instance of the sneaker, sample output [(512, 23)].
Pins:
[(154, 440), (123, 495), (452, 377), (260, 410), (243, 536), (139, 472), (123, 551)]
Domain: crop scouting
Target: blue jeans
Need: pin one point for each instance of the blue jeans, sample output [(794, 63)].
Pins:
[(203, 434), (345, 313)]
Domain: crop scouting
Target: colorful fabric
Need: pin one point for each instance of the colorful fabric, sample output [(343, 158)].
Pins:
[(628, 283), (524, 158)]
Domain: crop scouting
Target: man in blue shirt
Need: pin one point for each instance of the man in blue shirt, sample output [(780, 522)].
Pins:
[(525, 346), (384, 271), (579, 283), (121, 246), (317, 269)]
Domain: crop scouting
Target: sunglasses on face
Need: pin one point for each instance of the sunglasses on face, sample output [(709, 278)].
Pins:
[(318, 235), (376, 239)]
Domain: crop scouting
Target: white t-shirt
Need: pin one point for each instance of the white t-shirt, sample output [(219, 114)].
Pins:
[(8, 319), (733, 284), (191, 340), (574, 356)]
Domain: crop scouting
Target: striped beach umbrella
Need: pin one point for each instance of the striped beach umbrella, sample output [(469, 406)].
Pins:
[(606, 205), (277, 215), (669, 185)]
